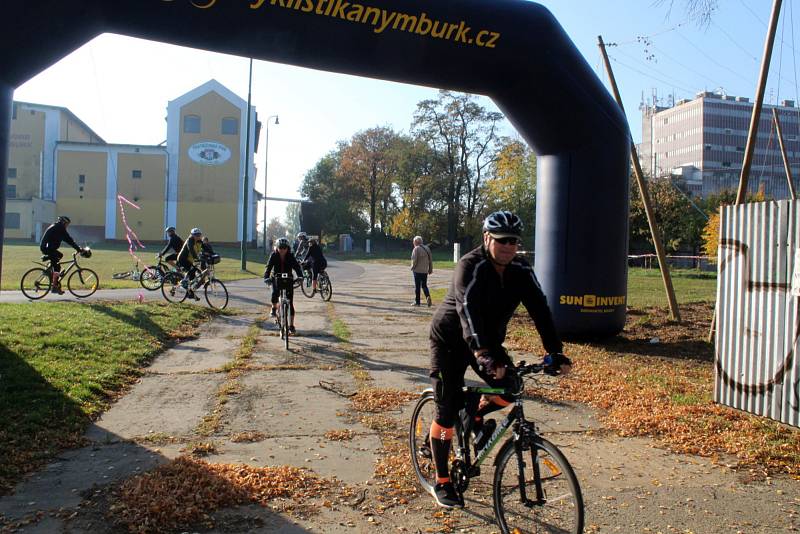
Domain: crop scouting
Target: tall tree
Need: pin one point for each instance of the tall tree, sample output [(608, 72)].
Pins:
[(514, 184), (463, 134)]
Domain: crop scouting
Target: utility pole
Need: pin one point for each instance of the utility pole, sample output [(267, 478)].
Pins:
[(266, 163), (246, 184), (651, 221), (786, 166), (759, 102)]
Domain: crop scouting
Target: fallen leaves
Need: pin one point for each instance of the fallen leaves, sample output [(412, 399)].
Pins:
[(381, 399)]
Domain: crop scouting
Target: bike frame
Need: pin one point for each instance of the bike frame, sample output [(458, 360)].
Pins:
[(63, 273)]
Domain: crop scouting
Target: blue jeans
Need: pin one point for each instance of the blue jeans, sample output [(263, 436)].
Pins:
[(420, 280)]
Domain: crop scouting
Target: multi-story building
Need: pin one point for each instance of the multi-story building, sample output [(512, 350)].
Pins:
[(58, 165), (703, 141)]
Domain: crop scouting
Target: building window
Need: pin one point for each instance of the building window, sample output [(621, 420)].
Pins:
[(14, 112), (12, 173), (11, 191), (739, 149), (191, 124), (136, 173), (230, 126), (12, 221), (708, 146), (81, 178), (726, 163)]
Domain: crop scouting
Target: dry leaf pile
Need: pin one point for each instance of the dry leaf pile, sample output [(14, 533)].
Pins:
[(185, 491), (381, 399), (664, 390), (339, 435)]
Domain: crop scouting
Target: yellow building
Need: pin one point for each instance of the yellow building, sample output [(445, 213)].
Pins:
[(58, 165)]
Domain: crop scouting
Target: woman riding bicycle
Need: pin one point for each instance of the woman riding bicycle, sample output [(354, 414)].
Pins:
[(315, 262), (468, 330), (174, 243), (190, 253), (282, 261)]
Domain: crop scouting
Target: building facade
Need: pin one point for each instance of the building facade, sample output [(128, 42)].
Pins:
[(703, 141), (58, 165)]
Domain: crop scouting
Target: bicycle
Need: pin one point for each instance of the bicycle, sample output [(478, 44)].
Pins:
[(283, 318), (152, 277), (324, 285), (133, 274), (82, 282), (216, 293), (542, 495)]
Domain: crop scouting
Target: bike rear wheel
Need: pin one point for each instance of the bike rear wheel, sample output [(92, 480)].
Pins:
[(36, 283), (152, 278), (419, 441), (172, 289), (559, 506), (83, 283), (325, 286), (285, 310), (216, 294)]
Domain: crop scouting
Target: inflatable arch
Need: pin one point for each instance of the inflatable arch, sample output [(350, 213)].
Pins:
[(513, 51)]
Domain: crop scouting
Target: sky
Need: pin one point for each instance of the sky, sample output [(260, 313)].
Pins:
[(120, 86)]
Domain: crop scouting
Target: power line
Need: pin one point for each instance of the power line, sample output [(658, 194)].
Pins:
[(714, 61), (615, 60)]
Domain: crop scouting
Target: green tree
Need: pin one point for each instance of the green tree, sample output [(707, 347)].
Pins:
[(514, 184), (276, 229)]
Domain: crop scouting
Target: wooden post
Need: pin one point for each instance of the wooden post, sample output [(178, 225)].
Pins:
[(757, 104), (651, 221), (783, 153)]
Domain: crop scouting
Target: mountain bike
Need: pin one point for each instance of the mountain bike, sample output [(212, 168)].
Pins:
[(283, 318), (324, 285), (534, 486), (216, 294), (81, 281), (152, 277), (133, 274)]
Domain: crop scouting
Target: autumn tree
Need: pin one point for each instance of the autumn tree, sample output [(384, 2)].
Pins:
[(514, 184)]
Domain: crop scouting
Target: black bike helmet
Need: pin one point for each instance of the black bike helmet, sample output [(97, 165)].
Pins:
[(196, 231), (64, 219), (502, 224), (282, 242), (302, 236), (86, 253), (169, 229)]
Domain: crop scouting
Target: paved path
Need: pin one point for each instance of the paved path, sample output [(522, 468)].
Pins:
[(629, 486)]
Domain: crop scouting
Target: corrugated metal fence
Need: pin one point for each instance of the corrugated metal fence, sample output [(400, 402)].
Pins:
[(758, 292)]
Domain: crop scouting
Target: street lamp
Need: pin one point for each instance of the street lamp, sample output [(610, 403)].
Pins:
[(266, 161)]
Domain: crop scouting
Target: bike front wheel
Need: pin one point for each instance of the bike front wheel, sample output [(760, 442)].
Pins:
[(172, 289), (285, 310), (152, 278), (536, 490), (325, 286), (306, 286), (83, 283), (36, 283), (216, 294)]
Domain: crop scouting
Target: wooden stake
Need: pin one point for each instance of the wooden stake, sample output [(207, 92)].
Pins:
[(783, 153), (651, 221)]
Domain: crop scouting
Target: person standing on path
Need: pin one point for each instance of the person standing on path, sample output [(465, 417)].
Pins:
[(421, 266)]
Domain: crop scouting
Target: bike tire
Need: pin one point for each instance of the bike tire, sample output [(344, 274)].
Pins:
[(325, 287), (172, 290), (562, 507), (306, 286), (36, 283), (419, 441), (121, 276), (285, 310), (216, 294), (83, 282), (152, 278)]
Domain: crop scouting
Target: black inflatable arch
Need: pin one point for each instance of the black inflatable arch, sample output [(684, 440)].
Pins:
[(513, 51)]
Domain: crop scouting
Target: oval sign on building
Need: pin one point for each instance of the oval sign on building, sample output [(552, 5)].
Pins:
[(209, 153)]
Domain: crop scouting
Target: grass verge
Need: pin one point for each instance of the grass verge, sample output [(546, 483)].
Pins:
[(61, 364), (664, 390)]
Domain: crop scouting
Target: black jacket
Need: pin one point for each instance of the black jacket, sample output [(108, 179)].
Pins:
[(53, 237), (175, 243), (288, 265), (480, 303), (315, 255)]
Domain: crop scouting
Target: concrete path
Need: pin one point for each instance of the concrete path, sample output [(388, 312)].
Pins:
[(628, 485)]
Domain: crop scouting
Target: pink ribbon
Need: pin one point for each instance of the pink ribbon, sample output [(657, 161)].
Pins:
[(128, 230)]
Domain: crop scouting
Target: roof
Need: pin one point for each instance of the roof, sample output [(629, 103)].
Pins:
[(68, 112)]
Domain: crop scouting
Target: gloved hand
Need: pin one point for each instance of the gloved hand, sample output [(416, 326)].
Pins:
[(556, 364), (491, 364)]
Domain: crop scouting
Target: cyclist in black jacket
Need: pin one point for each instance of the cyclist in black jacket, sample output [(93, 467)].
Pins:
[(315, 262), (50, 243), (468, 330), (282, 261), (174, 243)]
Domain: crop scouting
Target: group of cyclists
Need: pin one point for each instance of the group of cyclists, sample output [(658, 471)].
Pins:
[(468, 328)]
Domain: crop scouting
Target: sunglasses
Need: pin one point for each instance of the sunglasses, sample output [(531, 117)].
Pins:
[(507, 240), (283, 248)]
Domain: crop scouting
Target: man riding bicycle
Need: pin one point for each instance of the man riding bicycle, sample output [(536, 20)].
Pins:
[(174, 243), (282, 261), (51, 241), (300, 246), (189, 254), (315, 262), (468, 330)]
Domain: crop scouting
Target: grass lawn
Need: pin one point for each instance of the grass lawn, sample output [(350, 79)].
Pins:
[(442, 259), (61, 364), (109, 258)]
